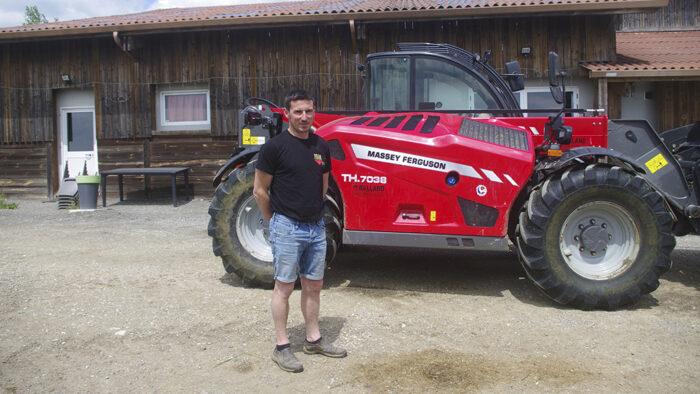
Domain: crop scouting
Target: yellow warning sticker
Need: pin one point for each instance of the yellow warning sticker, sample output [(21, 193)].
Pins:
[(248, 140), (656, 163), (433, 216)]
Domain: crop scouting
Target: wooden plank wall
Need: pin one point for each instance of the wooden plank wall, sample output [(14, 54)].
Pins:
[(265, 62), (678, 15), (203, 155), (23, 170), (236, 64), (679, 103)]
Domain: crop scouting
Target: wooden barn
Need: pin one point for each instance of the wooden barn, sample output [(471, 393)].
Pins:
[(164, 87)]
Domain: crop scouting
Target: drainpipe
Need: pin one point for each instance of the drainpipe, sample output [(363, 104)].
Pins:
[(121, 46), (352, 35)]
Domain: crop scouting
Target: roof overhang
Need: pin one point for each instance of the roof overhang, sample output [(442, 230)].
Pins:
[(652, 56), (167, 20), (651, 74)]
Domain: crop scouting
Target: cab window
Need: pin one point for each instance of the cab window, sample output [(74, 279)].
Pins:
[(389, 86), (444, 86)]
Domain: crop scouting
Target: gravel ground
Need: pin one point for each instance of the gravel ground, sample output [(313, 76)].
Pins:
[(131, 298)]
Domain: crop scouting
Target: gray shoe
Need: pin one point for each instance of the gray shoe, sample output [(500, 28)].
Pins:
[(325, 348), (286, 360)]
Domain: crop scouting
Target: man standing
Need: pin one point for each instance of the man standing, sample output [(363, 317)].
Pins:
[(291, 179)]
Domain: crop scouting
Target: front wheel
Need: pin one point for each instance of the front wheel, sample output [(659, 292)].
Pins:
[(240, 232), (595, 237)]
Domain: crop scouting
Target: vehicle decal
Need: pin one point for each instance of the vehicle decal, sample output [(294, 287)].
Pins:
[(481, 190), (365, 183), (656, 163), (512, 182), (248, 140), (355, 178), (409, 160), (433, 216), (491, 175), (532, 128), (367, 188)]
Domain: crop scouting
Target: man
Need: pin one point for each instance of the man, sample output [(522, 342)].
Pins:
[(291, 179)]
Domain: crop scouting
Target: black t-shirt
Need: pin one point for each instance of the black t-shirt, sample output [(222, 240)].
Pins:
[(297, 167)]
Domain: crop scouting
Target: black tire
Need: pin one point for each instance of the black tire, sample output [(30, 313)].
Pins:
[(332, 218), (595, 237), (240, 233)]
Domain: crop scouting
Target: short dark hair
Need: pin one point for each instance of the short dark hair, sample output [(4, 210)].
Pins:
[(297, 94)]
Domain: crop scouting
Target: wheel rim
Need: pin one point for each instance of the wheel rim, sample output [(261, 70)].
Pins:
[(599, 240), (252, 230)]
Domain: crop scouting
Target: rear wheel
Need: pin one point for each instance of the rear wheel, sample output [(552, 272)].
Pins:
[(595, 237), (240, 232)]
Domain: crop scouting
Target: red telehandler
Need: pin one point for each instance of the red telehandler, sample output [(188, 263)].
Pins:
[(444, 159)]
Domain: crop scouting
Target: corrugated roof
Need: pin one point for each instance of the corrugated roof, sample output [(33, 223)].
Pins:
[(314, 11), (652, 54)]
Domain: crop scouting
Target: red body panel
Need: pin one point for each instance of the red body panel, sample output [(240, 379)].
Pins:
[(395, 180)]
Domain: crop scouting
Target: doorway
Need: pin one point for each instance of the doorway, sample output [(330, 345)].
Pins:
[(78, 142)]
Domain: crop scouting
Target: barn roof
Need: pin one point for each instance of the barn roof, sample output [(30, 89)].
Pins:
[(315, 11)]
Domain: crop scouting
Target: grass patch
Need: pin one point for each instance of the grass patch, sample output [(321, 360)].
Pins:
[(6, 205)]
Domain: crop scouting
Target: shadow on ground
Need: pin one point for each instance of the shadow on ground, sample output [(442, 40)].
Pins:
[(488, 274), (686, 266)]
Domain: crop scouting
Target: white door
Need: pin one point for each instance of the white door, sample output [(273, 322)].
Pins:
[(78, 142)]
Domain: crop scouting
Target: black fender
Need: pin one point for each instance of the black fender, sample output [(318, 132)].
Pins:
[(242, 157), (582, 155)]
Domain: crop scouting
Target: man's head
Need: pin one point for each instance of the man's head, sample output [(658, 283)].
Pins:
[(299, 109), (297, 94)]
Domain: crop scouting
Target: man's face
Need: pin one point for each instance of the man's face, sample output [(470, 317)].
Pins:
[(300, 115)]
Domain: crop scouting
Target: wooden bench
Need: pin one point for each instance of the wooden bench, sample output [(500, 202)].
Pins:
[(147, 171)]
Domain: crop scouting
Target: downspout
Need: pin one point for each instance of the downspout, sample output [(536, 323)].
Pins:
[(352, 36), (121, 46)]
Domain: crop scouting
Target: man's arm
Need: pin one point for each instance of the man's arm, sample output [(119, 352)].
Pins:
[(261, 192), (325, 184)]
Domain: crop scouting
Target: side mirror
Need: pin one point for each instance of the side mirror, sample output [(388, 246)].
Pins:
[(514, 76), (557, 93), (553, 69)]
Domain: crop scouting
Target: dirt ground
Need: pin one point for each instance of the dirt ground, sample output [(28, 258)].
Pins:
[(130, 298)]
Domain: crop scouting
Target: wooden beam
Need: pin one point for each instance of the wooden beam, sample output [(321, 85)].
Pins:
[(601, 101)]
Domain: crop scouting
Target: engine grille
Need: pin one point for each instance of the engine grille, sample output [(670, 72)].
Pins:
[(494, 134)]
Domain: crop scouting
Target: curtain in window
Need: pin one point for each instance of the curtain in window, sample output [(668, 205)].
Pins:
[(186, 107)]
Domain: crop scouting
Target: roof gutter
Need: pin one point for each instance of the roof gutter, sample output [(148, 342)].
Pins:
[(657, 74)]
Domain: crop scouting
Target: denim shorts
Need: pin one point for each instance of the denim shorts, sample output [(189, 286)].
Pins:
[(297, 248)]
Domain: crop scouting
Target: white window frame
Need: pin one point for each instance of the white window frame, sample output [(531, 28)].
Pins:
[(163, 120), (523, 97)]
